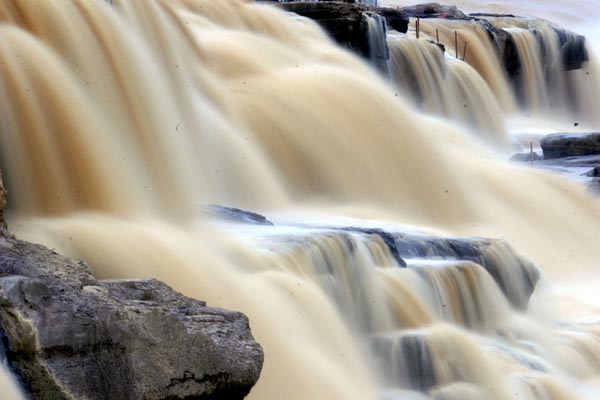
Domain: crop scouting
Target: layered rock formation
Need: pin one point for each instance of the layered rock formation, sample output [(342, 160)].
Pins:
[(560, 145), (344, 21), (348, 24), (68, 335)]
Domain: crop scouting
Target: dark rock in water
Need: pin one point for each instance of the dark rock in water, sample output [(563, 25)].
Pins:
[(573, 49), (594, 173), (394, 18), (526, 157), (70, 336), (594, 186), (343, 21), (3, 229), (574, 162), (412, 356), (418, 359), (559, 145), (236, 215), (509, 53), (484, 15), (346, 23), (433, 10), (387, 238), (479, 251), (515, 276)]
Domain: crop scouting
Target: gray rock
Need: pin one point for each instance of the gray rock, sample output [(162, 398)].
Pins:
[(560, 145), (70, 336), (346, 23), (594, 186), (593, 173), (236, 215), (433, 10), (3, 229), (526, 157)]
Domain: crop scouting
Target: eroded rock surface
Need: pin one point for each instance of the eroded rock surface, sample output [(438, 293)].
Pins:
[(560, 145), (347, 24), (68, 335)]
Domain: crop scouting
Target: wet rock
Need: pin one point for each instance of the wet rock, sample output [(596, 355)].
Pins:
[(560, 145), (395, 19), (433, 10), (387, 238), (487, 15), (345, 22), (515, 275), (526, 157), (70, 336), (594, 173), (236, 215), (573, 49), (594, 186), (411, 353), (3, 229)]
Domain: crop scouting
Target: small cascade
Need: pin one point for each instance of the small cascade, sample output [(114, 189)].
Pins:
[(481, 53), (540, 80), (342, 263), (524, 62), (464, 294), (378, 49), (409, 293), (444, 86)]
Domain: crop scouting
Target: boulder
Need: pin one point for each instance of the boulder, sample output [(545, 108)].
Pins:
[(67, 335), (560, 145)]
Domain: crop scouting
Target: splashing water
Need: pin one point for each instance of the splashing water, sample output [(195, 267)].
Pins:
[(120, 123)]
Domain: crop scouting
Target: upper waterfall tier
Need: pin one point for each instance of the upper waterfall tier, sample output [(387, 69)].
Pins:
[(505, 63)]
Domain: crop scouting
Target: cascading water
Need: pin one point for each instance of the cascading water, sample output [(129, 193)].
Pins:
[(445, 86), (527, 63), (120, 123), (378, 50)]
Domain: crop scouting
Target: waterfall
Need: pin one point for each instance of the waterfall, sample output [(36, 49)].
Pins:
[(120, 123), (10, 391), (443, 86), (378, 50), (526, 63)]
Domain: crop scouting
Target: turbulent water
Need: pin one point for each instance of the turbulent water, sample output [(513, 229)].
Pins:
[(119, 123)]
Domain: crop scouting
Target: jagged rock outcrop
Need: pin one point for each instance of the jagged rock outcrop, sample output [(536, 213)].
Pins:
[(560, 145), (70, 336), (67, 335), (347, 24)]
